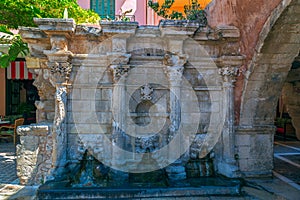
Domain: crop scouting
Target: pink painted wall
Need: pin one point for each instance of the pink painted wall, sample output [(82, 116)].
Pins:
[(143, 15), (84, 3)]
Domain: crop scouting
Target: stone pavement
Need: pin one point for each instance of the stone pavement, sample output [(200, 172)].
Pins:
[(7, 163), (284, 185)]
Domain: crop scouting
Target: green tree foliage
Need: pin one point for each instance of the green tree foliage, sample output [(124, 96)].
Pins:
[(15, 13), (16, 46), (191, 12)]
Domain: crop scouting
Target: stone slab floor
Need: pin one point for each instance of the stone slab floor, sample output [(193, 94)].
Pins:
[(284, 185), (7, 162)]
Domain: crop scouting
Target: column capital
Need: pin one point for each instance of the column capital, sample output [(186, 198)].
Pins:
[(174, 67), (229, 74), (119, 71), (60, 72)]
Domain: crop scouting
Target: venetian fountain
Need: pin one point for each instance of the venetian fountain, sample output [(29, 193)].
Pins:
[(125, 107)]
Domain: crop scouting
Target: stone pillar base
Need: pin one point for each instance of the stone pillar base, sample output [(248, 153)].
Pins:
[(255, 150), (34, 160)]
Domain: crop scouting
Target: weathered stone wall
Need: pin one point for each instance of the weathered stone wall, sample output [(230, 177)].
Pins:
[(34, 154), (291, 95), (251, 18), (270, 42), (80, 69)]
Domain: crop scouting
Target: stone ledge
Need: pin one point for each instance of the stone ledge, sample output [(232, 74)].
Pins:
[(118, 27), (208, 186), (34, 129), (31, 33), (267, 129), (178, 27), (225, 61), (55, 24)]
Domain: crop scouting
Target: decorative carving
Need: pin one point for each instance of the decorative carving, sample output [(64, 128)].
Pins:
[(229, 74), (59, 130), (61, 99), (122, 59), (45, 89), (59, 43), (174, 67), (60, 69), (228, 71), (87, 30), (146, 144), (175, 60), (146, 92), (119, 71)]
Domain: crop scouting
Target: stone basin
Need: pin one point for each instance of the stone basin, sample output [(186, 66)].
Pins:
[(194, 187)]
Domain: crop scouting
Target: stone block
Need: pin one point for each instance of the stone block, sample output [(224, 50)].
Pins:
[(242, 140), (104, 117), (81, 105), (79, 128), (106, 94), (102, 106), (243, 164), (244, 152), (87, 117), (281, 48), (51, 24), (118, 27), (87, 94), (94, 79), (30, 143), (258, 76), (100, 128)]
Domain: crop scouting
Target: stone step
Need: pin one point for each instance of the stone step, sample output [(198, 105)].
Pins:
[(179, 189)]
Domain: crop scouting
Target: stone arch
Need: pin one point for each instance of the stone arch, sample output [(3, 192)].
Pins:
[(277, 47)]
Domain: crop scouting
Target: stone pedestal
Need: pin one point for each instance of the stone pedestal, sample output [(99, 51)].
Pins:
[(34, 154), (255, 150)]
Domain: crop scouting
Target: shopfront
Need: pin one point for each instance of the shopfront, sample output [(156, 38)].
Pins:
[(20, 93)]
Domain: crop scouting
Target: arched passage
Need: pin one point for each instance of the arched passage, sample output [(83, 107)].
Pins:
[(270, 41), (270, 65), (278, 45)]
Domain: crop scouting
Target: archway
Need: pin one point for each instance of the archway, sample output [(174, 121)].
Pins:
[(277, 47)]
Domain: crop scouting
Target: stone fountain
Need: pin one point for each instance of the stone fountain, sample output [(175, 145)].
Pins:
[(125, 108)]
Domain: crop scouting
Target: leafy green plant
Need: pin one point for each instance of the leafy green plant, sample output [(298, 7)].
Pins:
[(14, 13), (25, 108), (16, 46), (191, 12), (123, 16), (280, 122), (195, 12)]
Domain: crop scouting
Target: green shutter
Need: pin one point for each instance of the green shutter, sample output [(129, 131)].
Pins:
[(103, 7)]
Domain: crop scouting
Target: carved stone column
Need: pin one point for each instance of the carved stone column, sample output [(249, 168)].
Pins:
[(120, 69), (59, 31), (174, 66), (228, 163), (59, 78)]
